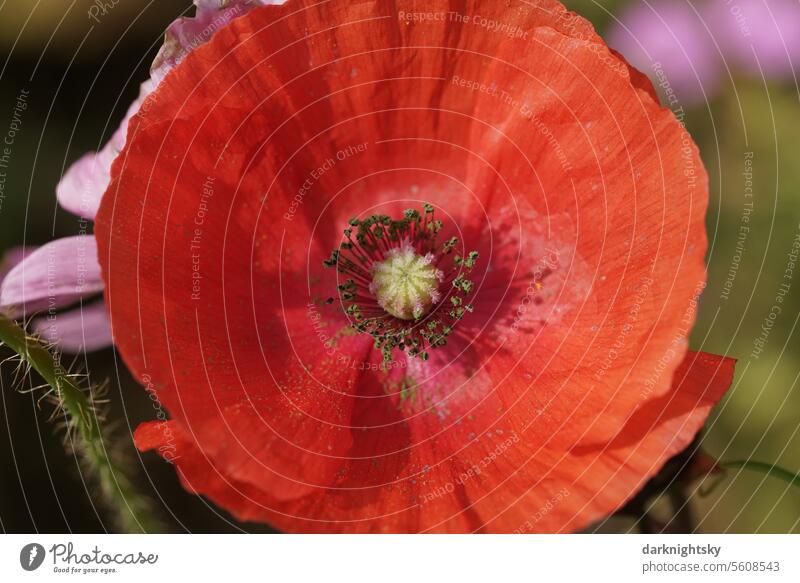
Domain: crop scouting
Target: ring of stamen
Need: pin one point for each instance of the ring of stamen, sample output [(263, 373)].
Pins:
[(396, 277)]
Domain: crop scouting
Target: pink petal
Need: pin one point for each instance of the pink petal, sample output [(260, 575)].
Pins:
[(55, 275), (85, 182), (83, 329)]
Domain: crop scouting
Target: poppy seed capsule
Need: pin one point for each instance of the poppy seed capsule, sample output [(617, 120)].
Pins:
[(406, 284)]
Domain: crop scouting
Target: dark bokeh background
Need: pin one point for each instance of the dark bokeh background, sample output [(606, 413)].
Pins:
[(81, 76)]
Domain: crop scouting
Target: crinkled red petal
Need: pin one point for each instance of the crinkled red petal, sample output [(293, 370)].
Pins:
[(542, 150)]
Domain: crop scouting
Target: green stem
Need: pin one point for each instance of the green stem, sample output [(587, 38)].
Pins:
[(132, 509), (772, 470)]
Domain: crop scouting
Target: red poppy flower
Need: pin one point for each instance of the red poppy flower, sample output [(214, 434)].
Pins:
[(405, 267)]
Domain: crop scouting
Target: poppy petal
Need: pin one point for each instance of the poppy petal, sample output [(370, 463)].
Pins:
[(187, 33), (585, 199), (591, 481)]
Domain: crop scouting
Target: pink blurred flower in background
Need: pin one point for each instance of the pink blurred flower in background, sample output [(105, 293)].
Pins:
[(758, 35), (42, 281), (669, 36), (692, 43)]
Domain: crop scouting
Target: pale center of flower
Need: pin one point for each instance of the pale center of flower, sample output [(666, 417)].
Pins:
[(405, 283)]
